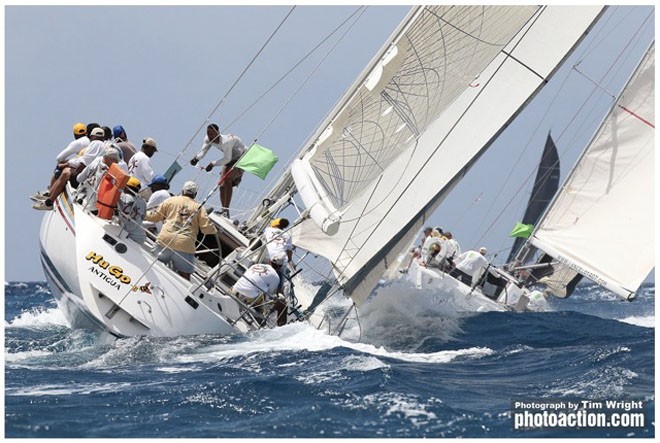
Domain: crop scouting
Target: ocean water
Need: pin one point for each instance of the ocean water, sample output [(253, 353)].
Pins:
[(415, 372)]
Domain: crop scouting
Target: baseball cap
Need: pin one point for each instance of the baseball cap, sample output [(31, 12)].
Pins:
[(79, 129), (190, 187), (483, 250), (158, 179), (117, 130), (133, 182), (98, 132), (150, 142)]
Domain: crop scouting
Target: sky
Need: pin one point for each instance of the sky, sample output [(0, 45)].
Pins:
[(161, 70)]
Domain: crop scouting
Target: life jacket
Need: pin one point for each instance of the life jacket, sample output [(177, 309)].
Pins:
[(110, 190)]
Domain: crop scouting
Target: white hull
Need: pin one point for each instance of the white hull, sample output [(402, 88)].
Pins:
[(462, 298), (123, 290)]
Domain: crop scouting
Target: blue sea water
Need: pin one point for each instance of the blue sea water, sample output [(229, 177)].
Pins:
[(414, 373)]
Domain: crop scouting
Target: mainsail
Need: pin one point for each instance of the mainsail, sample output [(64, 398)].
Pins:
[(430, 103), (545, 187), (601, 224), (449, 82)]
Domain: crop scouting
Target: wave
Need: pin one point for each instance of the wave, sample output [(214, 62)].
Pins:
[(302, 337), (68, 389), (644, 321), (38, 318)]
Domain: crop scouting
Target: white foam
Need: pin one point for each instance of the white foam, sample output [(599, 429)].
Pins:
[(40, 318), (646, 322), (19, 357), (59, 389), (302, 337), (408, 406), (171, 370)]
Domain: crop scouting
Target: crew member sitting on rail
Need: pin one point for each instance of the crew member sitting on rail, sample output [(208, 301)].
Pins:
[(432, 246), (416, 252), (71, 168)]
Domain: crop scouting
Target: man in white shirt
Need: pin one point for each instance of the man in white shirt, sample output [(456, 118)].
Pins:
[(159, 193), (71, 168), (91, 176), (140, 164), (232, 149), (470, 265), (261, 281), (450, 250), (278, 241), (80, 142)]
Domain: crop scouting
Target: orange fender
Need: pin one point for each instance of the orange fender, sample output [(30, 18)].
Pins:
[(109, 191)]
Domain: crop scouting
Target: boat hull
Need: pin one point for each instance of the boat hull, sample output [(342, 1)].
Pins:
[(104, 281)]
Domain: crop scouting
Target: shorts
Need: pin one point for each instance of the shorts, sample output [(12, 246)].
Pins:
[(233, 178), (181, 261)]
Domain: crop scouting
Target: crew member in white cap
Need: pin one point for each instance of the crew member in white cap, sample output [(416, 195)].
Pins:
[(71, 168), (261, 281), (91, 176), (184, 219), (469, 266)]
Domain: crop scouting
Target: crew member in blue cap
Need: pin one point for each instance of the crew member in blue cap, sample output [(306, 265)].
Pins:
[(159, 187), (121, 140)]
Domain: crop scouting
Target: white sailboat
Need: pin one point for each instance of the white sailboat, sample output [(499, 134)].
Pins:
[(580, 234), (363, 185), (601, 223)]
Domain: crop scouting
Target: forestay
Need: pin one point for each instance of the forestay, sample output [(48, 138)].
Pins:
[(430, 104), (602, 222)]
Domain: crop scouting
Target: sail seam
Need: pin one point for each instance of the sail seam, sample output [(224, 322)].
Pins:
[(526, 66)]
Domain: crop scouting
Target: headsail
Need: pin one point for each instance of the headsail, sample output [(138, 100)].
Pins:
[(441, 92), (545, 187), (604, 214)]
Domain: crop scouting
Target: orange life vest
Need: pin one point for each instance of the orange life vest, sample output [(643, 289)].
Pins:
[(109, 191)]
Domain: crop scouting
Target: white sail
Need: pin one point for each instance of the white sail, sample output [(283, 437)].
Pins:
[(450, 81), (602, 222)]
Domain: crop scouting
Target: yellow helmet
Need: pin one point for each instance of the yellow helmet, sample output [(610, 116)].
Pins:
[(133, 183)]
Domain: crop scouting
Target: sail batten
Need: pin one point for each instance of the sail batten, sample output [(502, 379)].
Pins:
[(436, 103), (611, 187)]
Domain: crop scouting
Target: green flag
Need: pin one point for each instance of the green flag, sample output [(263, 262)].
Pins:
[(521, 230), (257, 160)]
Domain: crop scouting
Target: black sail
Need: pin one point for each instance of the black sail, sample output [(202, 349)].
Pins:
[(545, 187)]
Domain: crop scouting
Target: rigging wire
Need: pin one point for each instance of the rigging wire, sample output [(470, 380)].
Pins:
[(238, 79), (293, 68)]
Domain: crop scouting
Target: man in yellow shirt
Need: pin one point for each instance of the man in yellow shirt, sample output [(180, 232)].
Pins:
[(184, 219)]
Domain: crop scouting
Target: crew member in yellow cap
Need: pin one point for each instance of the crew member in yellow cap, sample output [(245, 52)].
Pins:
[(80, 142), (132, 209), (278, 240)]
